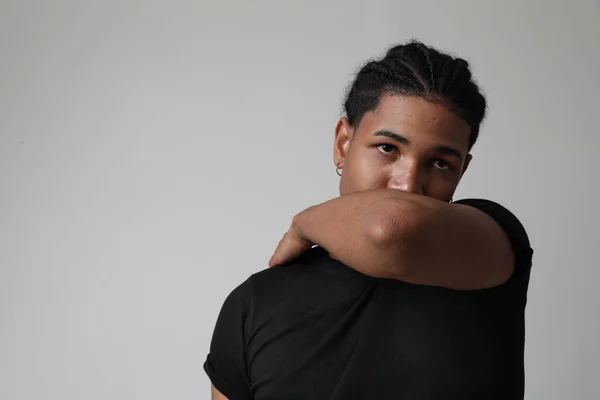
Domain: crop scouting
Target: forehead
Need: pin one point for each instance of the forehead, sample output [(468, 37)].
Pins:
[(418, 120)]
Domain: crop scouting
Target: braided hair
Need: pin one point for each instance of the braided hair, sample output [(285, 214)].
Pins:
[(414, 69)]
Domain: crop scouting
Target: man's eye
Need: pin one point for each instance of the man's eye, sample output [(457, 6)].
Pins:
[(442, 165), (386, 148)]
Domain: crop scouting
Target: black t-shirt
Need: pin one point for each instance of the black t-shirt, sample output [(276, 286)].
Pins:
[(316, 329)]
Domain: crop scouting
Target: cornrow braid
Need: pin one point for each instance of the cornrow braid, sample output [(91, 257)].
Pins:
[(425, 51), (399, 74), (414, 69)]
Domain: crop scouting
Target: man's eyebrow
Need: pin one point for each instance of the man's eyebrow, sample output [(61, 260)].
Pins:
[(392, 135), (451, 151), (447, 150)]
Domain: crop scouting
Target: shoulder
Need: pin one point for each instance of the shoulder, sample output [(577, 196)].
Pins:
[(314, 268), (312, 279), (304, 266), (504, 217), (313, 271), (511, 225)]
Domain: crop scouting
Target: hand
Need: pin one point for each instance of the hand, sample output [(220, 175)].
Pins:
[(292, 245)]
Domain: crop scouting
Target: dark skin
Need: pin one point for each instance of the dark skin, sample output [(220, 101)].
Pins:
[(401, 166), (407, 144)]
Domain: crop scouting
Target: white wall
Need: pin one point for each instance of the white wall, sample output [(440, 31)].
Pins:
[(152, 154)]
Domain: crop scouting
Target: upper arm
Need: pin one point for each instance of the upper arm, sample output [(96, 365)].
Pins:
[(472, 244), (216, 395), (226, 364)]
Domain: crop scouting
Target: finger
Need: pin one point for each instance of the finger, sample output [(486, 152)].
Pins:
[(277, 258), (274, 257), (290, 248)]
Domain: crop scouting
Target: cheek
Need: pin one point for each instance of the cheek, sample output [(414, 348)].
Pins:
[(366, 171), (442, 187)]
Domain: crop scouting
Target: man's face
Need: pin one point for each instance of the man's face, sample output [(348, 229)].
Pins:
[(406, 143)]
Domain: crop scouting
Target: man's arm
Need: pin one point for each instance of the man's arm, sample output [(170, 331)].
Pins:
[(216, 395), (393, 234)]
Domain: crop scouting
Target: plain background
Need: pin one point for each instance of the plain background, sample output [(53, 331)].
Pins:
[(153, 153)]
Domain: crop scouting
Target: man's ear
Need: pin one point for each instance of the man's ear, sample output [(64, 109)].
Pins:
[(343, 136), (468, 160)]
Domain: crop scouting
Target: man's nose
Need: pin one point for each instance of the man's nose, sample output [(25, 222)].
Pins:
[(407, 179)]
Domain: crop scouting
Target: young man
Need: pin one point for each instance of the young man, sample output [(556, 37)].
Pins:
[(390, 291)]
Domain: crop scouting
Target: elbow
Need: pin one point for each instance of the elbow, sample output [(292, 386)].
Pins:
[(380, 231), (391, 233), (391, 238), (391, 226)]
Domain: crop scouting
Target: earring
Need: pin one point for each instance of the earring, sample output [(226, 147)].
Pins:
[(338, 170)]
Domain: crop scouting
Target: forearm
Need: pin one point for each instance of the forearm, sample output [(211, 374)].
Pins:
[(357, 229)]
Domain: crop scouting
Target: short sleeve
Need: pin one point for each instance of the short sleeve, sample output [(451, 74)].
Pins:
[(515, 231), (226, 364)]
